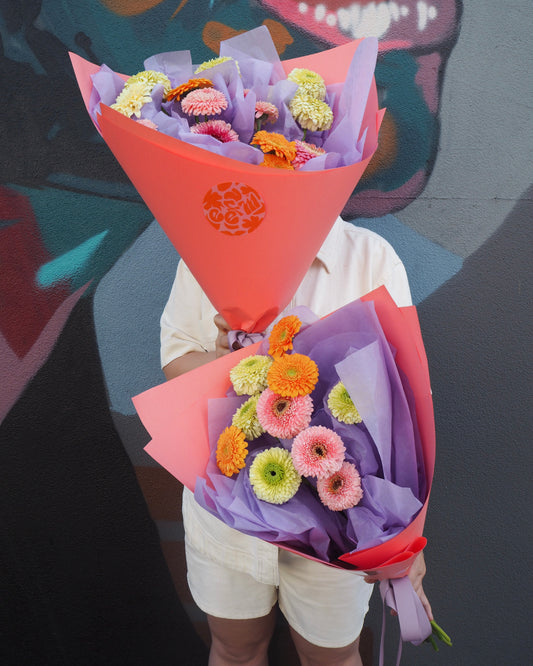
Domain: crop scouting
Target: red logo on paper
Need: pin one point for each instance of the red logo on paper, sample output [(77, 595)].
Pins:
[(234, 208)]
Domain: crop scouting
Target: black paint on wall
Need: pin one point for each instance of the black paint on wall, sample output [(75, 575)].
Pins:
[(82, 576)]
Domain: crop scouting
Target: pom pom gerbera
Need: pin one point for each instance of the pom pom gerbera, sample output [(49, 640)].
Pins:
[(341, 490), (150, 78), (317, 451), (273, 476), (232, 450), (341, 405), (310, 113), (305, 152), (187, 87), (292, 374), (147, 123), (218, 129), (208, 64), (271, 142), (249, 376), (284, 417), (274, 162), (265, 111), (204, 102), (309, 82), (282, 335), (245, 418), (132, 99)]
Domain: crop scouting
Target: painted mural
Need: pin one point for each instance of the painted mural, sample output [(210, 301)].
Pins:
[(85, 273)]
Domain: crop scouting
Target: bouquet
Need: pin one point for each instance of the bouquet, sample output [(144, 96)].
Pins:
[(375, 349), (207, 192)]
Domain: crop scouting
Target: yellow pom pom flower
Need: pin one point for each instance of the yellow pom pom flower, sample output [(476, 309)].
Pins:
[(310, 113), (132, 99), (208, 64), (309, 82), (249, 376)]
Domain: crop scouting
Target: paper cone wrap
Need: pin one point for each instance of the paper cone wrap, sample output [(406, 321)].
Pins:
[(248, 233)]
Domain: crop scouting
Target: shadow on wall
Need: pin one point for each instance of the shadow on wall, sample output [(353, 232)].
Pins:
[(477, 330)]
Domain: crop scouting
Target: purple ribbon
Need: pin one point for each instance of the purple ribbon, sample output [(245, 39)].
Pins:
[(399, 594), (240, 339)]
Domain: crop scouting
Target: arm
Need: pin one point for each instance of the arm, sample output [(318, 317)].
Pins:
[(193, 359)]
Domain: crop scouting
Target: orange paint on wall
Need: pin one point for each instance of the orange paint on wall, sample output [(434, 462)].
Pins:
[(130, 7), (215, 32), (387, 149)]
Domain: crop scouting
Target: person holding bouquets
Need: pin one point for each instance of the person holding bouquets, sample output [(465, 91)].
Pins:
[(237, 579)]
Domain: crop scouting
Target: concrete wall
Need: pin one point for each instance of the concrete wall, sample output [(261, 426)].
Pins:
[(91, 539)]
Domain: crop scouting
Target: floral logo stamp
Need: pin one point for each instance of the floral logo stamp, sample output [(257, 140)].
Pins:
[(234, 208)]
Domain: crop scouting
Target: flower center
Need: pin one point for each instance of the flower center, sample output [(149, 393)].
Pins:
[(280, 407), (319, 450), (273, 473), (336, 484)]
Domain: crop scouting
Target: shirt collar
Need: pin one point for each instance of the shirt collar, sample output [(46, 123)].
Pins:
[(328, 252)]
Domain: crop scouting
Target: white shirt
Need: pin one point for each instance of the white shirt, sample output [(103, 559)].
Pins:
[(351, 262)]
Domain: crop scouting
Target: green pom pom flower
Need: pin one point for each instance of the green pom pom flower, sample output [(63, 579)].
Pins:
[(273, 476), (245, 418), (341, 405)]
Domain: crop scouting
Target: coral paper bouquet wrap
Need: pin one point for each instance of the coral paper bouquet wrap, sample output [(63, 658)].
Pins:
[(376, 349), (214, 201)]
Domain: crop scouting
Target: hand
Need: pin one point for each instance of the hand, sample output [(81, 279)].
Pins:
[(221, 343), (416, 574)]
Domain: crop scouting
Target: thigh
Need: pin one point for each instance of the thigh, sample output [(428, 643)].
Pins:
[(326, 606), (223, 592)]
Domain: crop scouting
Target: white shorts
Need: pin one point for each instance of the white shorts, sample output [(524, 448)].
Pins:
[(326, 606)]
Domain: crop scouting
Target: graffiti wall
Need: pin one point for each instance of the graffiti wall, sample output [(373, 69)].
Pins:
[(92, 563)]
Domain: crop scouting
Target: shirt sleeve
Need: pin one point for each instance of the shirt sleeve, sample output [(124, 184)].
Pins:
[(187, 320), (397, 284)]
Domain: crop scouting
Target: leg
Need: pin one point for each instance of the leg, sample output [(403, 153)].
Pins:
[(314, 655), (243, 642), (325, 608)]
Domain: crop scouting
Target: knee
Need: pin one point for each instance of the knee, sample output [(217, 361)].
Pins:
[(246, 651), (313, 655)]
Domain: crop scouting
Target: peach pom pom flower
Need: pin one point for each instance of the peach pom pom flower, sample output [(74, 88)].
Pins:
[(232, 449), (282, 335), (283, 417), (292, 374), (204, 102), (318, 451), (341, 490)]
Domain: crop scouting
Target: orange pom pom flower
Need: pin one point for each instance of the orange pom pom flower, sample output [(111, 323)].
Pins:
[(282, 335), (232, 449), (292, 374)]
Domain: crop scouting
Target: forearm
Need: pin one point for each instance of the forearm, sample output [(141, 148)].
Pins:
[(187, 362)]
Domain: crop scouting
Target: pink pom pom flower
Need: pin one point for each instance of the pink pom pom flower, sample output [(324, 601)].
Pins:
[(283, 417), (204, 102), (341, 490), (317, 451), (216, 128)]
